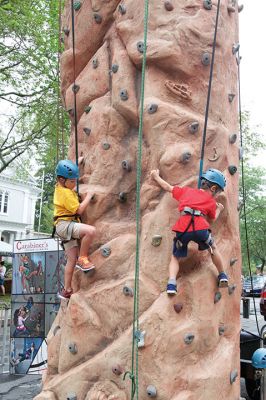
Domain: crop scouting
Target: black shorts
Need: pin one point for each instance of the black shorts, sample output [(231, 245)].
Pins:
[(203, 238)]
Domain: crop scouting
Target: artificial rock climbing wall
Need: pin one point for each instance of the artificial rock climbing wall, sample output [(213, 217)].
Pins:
[(191, 349)]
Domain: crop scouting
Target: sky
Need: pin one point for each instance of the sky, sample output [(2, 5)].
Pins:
[(252, 34)]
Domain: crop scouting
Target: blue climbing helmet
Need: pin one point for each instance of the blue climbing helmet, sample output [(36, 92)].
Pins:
[(214, 176), (67, 169), (259, 358)]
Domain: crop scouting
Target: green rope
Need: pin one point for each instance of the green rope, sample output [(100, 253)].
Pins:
[(134, 360)]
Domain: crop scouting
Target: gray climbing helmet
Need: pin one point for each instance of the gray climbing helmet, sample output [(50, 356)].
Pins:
[(214, 176)]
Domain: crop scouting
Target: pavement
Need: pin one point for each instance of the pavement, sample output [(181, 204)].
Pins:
[(26, 387)]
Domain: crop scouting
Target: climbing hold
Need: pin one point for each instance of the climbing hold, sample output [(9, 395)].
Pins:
[(240, 7), (87, 109), (168, 6), (232, 169), (206, 58), (235, 48), (97, 18), (123, 94), (75, 88), (66, 31), (93, 198), (122, 9), (207, 4), (221, 330), (77, 5), (95, 63), (71, 112), (233, 376), (215, 156), (140, 336), (128, 291), (72, 396), (56, 329), (231, 288), (188, 338), (72, 347), (152, 108), (240, 205), (156, 240), (87, 131), (185, 157), (233, 261), (231, 9), (193, 127), (231, 97), (151, 391), (106, 146), (217, 297), (241, 153), (178, 307), (117, 370), (140, 47), (115, 68), (106, 251), (122, 197), (126, 165), (232, 138)]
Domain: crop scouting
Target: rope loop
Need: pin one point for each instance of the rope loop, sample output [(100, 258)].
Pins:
[(133, 382)]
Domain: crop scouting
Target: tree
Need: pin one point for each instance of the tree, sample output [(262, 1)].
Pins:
[(253, 194), (29, 84)]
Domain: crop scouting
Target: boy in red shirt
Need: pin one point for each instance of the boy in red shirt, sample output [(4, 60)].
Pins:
[(197, 208)]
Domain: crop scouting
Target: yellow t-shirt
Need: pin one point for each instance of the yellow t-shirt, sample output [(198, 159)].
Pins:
[(66, 202)]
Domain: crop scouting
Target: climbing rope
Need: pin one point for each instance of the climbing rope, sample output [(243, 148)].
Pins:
[(243, 187), (74, 86), (208, 95), (59, 108), (133, 375)]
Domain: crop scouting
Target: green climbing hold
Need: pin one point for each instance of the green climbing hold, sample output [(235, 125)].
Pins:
[(217, 297), (77, 5), (87, 109)]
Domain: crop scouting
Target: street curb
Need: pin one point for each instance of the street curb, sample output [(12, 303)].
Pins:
[(8, 382)]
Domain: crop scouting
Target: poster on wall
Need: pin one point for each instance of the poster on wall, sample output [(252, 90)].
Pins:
[(38, 272)]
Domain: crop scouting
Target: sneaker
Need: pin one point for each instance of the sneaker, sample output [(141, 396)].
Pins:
[(84, 264), (65, 294), (222, 280), (171, 289)]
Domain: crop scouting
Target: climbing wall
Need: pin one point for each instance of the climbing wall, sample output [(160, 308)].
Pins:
[(191, 342)]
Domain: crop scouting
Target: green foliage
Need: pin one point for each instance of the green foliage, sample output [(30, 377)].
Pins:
[(29, 35), (253, 201)]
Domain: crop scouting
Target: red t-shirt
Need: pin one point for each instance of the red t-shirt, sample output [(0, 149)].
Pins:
[(198, 200)]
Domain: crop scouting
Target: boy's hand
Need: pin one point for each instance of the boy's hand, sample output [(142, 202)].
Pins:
[(220, 206), (155, 173)]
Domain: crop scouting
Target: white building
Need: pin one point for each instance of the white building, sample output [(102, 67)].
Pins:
[(17, 207)]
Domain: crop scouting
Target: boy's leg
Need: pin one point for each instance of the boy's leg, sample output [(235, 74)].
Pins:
[(218, 262), (86, 234), (173, 271), (72, 255)]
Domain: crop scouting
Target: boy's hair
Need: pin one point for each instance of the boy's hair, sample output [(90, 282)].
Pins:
[(205, 185)]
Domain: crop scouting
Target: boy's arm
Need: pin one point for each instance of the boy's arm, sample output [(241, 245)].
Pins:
[(164, 185), (83, 205), (219, 209)]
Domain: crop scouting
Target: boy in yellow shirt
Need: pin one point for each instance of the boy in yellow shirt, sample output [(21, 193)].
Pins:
[(68, 226)]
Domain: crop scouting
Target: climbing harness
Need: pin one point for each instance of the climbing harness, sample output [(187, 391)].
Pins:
[(209, 94), (133, 375)]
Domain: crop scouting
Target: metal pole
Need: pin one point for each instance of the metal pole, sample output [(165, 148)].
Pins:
[(40, 214)]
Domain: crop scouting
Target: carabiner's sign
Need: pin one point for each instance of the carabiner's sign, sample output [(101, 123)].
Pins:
[(35, 245)]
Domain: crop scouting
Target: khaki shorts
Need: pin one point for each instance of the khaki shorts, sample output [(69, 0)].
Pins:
[(68, 230)]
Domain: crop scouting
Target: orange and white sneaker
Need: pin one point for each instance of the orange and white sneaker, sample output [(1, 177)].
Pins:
[(84, 264)]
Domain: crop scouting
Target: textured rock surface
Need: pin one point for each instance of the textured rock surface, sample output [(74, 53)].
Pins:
[(97, 321)]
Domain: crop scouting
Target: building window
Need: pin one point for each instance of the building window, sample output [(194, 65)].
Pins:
[(3, 202)]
